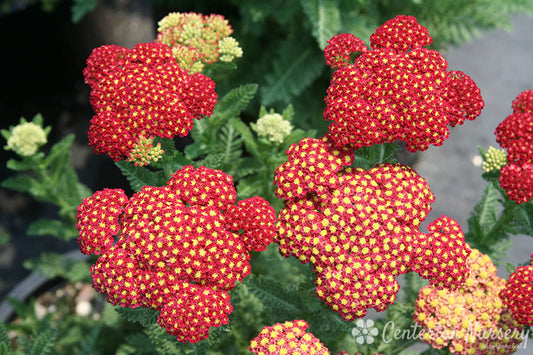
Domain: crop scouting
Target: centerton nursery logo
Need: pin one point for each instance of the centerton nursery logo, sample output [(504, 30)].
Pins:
[(365, 331)]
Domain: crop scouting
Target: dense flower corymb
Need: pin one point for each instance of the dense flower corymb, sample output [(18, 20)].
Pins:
[(515, 134), (360, 228), (142, 92), (471, 319), (198, 39), (517, 294), (398, 90), (289, 338), (181, 247)]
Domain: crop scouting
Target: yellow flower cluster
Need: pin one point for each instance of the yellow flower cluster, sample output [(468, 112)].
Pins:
[(197, 40), (289, 338), (144, 152), (471, 319)]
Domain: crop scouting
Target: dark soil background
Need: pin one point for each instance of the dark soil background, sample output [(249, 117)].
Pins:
[(43, 56)]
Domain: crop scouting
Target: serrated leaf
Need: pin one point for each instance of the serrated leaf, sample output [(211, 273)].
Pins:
[(522, 222), (275, 297), (510, 267), (139, 176), (145, 316), (212, 161), (43, 339), (233, 103), (325, 19), (288, 113), (27, 163), (4, 338), (57, 228), (484, 213), (295, 67), (247, 136), (368, 157)]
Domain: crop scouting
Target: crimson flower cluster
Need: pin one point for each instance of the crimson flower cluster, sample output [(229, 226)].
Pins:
[(142, 92), (180, 249), (515, 134), (398, 90), (360, 228), (517, 294)]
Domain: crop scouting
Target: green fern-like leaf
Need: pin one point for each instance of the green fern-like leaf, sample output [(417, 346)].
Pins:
[(282, 303), (296, 65), (325, 19), (522, 222), (139, 176), (231, 143), (147, 317), (234, 102), (164, 343), (43, 340)]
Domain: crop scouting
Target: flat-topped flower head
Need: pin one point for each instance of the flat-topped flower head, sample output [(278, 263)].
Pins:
[(398, 90), (517, 295), (289, 338), (181, 247), (515, 133), (360, 228), (471, 319), (142, 92), (207, 38)]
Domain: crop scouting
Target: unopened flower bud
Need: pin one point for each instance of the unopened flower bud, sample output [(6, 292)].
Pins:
[(26, 138), (494, 159)]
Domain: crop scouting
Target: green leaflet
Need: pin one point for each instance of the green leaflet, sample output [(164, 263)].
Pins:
[(145, 316), (296, 65), (325, 19), (139, 176), (57, 228), (54, 265)]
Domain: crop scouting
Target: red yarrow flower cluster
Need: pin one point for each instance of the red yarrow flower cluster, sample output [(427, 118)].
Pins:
[(289, 338), (517, 294), (181, 247), (360, 228), (142, 92), (398, 90), (515, 134), (342, 48), (471, 319)]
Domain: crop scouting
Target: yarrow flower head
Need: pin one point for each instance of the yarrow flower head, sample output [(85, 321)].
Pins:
[(180, 249), (142, 92), (289, 338), (398, 90), (515, 134), (199, 39), (471, 319), (273, 127), (26, 138), (360, 228), (494, 159), (517, 295)]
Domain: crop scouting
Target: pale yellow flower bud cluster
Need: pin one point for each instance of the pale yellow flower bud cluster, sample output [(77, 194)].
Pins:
[(494, 159), (273, 127), (26, 138)]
